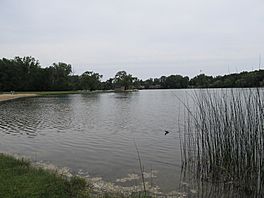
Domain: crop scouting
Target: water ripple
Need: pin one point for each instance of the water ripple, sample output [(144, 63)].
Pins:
[(94, 132)]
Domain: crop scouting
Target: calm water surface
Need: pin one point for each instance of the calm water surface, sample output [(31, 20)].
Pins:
[(95, 133)]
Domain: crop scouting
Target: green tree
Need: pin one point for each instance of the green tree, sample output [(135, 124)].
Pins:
[(176, 82), (108, 85), (59, 76), (20, 74), (201, 81), (136, 83), (122, 79), (90, 81), (163, 81), (148, 83), (74, 82)]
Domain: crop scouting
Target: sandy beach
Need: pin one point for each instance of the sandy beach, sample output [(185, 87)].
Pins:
[(5, 97)]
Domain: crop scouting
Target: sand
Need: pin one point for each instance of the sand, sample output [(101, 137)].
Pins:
[(5, 97)]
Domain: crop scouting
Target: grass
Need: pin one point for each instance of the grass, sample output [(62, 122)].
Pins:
[(223, 138), (19, 179)]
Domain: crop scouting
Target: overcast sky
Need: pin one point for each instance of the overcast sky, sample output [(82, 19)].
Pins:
[(148, 38)]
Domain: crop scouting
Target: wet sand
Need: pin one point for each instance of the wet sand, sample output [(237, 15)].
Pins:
[(5, 97)]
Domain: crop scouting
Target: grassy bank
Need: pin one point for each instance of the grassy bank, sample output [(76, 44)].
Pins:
[(20, 179)]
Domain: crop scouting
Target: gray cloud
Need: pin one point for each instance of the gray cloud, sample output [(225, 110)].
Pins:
[(145, 37)]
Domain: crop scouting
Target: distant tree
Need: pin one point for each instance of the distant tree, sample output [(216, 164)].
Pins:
[(59, 76), (170, 82), (163, 81), (8, 75), (90, 80), (33, 77), (156, 81), (229, 80), (20, 74), (108, 84), (136, 83), (26, 74), (122, 79), (176, 82), (74, 82), (148, 83), (201, 81)]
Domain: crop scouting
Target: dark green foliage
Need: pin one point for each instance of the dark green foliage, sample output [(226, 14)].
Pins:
[(59, 76), (122, 79), (90, 81), (22, 74), (243, 79), (26, 74), (108, 85), (176, 81), (201, 81), (74, 82)]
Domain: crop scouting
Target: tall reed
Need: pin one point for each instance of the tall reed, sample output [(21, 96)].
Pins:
[(223, 137)]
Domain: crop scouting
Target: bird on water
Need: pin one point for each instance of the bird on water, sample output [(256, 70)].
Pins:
[(166, 132)]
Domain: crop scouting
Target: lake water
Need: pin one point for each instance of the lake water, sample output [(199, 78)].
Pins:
[(96, 133)]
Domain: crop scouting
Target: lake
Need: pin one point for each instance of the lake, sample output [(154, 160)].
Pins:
[(95, 134)]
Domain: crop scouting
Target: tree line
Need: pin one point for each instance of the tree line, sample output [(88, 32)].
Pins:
[(26, 74)]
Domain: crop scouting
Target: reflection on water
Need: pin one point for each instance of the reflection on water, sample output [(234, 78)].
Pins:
[(95, 133), (195, 188)]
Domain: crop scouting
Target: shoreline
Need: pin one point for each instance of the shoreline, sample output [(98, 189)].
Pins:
[(91, 186), (30, 180), (16, 95), (8, 97)]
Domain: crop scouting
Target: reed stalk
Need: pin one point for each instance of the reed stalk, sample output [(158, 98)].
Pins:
[(223, 137)]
